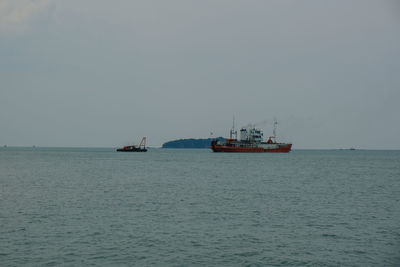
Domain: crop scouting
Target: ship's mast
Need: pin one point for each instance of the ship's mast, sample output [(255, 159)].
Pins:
[(233, 132), (275, 126)]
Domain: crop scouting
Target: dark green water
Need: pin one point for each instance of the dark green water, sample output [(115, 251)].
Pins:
[(79, 207)]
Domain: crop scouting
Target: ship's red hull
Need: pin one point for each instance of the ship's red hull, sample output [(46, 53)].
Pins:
[(282, 148)]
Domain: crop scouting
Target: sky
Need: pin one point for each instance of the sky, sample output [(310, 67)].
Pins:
[(100, 73)]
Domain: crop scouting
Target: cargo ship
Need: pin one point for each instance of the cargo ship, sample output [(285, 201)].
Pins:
[(251, 141), (133, 148)]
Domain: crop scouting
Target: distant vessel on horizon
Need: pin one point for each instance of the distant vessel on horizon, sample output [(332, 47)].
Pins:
[(251, 141), (133, 148)]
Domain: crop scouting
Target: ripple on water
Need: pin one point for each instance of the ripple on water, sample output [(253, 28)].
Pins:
[(193, 207)]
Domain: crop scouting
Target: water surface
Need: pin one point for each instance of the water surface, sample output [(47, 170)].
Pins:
[(78, 207)]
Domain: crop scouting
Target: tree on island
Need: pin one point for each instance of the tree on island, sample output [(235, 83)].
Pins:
[(190, 143)]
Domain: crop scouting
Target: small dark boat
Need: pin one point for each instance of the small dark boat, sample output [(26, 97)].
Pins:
[(132, 148)]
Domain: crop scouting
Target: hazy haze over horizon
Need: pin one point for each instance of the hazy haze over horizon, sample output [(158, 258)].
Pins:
[(105, 73)]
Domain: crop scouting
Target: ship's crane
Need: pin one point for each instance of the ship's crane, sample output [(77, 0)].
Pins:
[(272, 138), (142, 143), (275, 126)]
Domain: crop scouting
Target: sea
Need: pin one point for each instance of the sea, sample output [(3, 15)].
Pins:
[(192, 207)]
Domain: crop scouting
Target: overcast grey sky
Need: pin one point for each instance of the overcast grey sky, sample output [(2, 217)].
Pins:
[(103, 73)]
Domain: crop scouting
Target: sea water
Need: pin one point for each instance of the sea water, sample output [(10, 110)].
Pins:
[(79, 207)]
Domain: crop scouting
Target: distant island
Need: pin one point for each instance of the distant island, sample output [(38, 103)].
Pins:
[(190, 143)]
